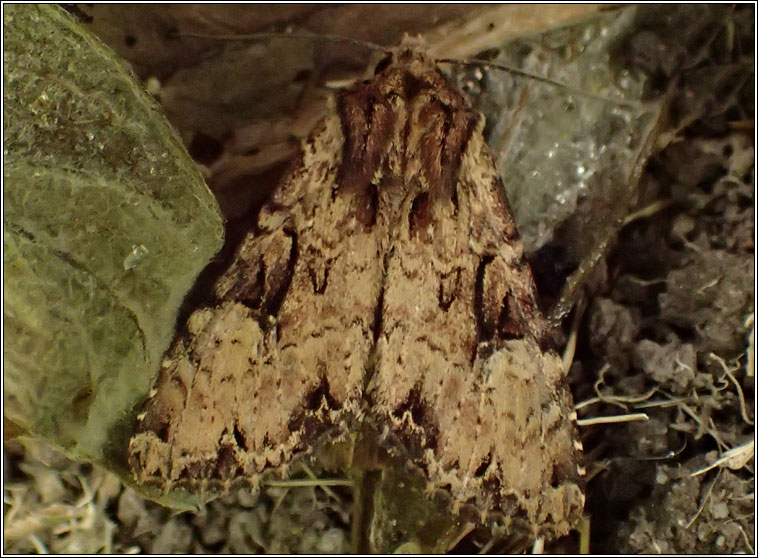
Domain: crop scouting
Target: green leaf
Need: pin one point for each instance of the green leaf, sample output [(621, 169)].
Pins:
[(107, 223)]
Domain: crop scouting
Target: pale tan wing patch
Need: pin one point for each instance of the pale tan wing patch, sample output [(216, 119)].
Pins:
[(462, 383), (254, 381)]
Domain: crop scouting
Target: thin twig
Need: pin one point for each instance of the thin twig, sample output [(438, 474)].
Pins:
[(523, 73), (738, 456), (584, 534), (467, 528), (632, 417), (647, 211), (299, 483), (705, 499), (487, 547), (747, 539), (728, 372), (568, 352), (38, 544), (325, 488), (619, 400)]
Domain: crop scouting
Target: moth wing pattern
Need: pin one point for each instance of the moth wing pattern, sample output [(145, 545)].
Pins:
[(462, 382), (384, 280), (281, 357)]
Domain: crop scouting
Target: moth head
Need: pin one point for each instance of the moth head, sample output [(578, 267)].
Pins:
[(411, 53)]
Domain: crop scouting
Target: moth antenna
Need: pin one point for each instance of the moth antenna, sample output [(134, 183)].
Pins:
[(263, 36), (523, 73), (385, 50)]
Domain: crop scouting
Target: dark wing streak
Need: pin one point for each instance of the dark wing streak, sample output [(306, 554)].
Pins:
[(557, 452), (222, 393), (486, 407)]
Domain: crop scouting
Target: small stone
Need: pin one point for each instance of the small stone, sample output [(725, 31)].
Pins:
[(214, 531), (174, 538), (333, 541), (672, 365), (244, 533), (130, 508), (682, 226), (720, 510), (246, 498)]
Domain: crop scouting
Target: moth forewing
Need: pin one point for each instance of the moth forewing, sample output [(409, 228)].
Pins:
[(389, 247)]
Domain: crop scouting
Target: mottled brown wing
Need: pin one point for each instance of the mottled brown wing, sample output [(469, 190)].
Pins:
[(462, 382), (253, 381)]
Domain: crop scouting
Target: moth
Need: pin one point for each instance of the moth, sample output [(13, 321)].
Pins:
[(383, 283)]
